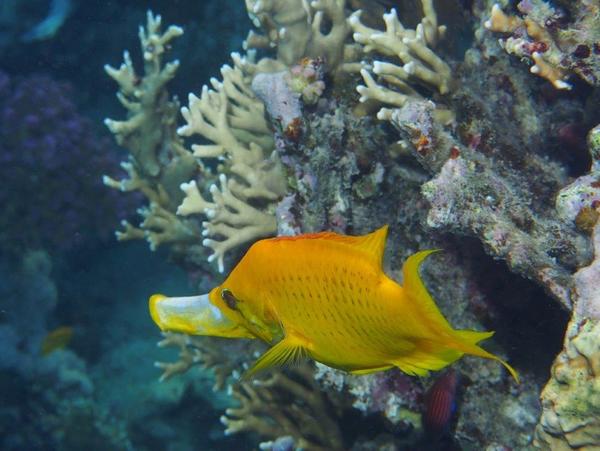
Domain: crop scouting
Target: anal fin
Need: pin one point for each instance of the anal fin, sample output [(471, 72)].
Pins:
[(364, 371), (289, 350)]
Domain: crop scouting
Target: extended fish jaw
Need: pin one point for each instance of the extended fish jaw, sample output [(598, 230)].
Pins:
[(193, 315)]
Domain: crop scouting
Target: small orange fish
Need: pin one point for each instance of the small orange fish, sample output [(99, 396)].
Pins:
[(325, 296), (59, 338)]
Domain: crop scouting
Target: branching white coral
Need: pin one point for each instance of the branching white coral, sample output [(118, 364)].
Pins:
[(234, 219), (157, 158), (136, 94), (232, 118), (295, 29), (416, 62), (161, 226)]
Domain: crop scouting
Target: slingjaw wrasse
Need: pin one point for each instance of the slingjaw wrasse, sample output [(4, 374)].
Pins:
[(325, 296)]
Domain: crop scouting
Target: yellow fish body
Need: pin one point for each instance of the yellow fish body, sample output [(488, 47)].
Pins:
[(325, 296), (59, 338)]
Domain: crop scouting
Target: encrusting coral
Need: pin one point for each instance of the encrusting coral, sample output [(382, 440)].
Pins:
[(556, 41), (579, 202), (571, 399), (472, 194)]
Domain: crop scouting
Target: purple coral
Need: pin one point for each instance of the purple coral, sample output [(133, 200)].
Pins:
[(51, 164)]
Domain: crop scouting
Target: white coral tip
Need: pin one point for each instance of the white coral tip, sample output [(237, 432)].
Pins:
[(559, 84), (216, 83), (354, 18), (186, 186), (384, 114), (391, 15)]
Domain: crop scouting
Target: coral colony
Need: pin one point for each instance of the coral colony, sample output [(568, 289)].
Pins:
[(345, 119), (42, 139)]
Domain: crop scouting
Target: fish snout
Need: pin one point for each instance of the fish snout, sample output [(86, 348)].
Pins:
[(194, 315)]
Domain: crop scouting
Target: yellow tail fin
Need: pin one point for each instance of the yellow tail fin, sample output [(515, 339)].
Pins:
[(468, 345), (447, 344)]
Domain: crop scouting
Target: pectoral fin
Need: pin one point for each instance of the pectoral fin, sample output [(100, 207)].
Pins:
[(289, 350)]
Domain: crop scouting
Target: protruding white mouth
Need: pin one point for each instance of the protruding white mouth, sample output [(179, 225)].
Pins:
[(190, 314)]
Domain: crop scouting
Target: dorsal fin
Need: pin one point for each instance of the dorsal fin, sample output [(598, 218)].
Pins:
[(372, 245), (417, 292)]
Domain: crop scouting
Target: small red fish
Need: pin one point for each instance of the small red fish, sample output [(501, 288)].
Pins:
[(440, 403)]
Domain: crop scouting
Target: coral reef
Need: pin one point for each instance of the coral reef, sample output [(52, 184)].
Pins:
[(280, 405), (281, 146), (175, 180), (43, 138), (158, 162), (51, 397), (392, 393), (415, 63), (285, 405), (232, 118), (468, 196), (294, 30), (571, 399), (559, 39), (200, 351), (284, 94), (578, 201)]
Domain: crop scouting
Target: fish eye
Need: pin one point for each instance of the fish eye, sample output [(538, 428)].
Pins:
[(229, 299)]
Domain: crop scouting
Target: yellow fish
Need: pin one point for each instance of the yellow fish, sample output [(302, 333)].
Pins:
[(325, 296), (59, 338)]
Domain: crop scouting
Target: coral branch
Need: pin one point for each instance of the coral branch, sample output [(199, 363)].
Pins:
[(416, 63), (241, 210), (285, 405)]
